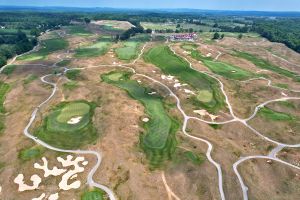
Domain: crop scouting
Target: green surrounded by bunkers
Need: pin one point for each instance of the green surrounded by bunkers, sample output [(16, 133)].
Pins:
[(98, 49), (209, 95), (93, 194), (159, 140), (47, 47), (128, 51), (223, 69), (264, 64), (69, 125)]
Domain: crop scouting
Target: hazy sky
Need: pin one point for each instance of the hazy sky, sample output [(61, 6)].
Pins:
[(270, 5)]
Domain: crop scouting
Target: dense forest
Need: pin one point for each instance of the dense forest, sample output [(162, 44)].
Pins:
[(19, 29), (283, 30)]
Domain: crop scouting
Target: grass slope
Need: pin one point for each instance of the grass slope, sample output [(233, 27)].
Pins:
[(169, 63), (57, 132), (4, 88), (47, 47), (78, 30), (158, 142)]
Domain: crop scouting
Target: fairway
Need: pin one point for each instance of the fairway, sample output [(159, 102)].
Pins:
[(95, 194), (47, 47), (263, 64), (98, 49), (159, 140), (129, 51), (272, 115), (169, 63), (69, 125), (78, 31)]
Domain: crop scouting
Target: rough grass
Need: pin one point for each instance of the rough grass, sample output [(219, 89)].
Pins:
[(158, 141), (169, 63), (4, 88), (98, 49), (57, 132), (64, 63), (73, 74), (8, 70), (78, 30), (195, 158), (30, 78), (94, 194), (189, 46), (71, 85), (31, 153), (129, 51), (47, 47), (263, 64)]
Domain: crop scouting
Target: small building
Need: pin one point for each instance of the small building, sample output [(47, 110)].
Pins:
[(183, 37)]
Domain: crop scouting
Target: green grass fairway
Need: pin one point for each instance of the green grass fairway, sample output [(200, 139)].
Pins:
[(129, 51), (169, 63), (57, 132), (274, 115), (159, 140), (98, 49), (78, 30), (95, 194), (263, 64), (47, 47), (224, 69), (31, 153)]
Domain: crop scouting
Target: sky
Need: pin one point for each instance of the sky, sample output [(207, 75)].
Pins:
[(257, 5)]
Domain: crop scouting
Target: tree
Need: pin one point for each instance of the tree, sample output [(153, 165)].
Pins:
[(222, 36), (2, 61), (240, 36), (216, 36), (191, 30), (87, 20), (178, 26), (149, 30)]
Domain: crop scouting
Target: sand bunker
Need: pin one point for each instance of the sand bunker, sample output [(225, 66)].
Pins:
[(208, 55), (74, 120), (189, 92), (145, 119), (36, 180), (53, 196), (47, 172), (77, 169), (151, 93), (204, 113)]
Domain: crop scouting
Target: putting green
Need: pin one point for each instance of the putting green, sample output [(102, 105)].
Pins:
[(158, 142), (128, 51), (204, 96), (59, 131)]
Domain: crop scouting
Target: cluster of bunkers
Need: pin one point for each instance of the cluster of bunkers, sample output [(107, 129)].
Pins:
[(183, 37)]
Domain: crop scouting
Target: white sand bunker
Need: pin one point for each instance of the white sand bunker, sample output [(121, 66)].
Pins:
[(208, 55), (204, 113), (40, 197), (74, 120), (63, 185), (36, 180), (189, 92), (145, 119), (53, 196), (47, 172), (151, 93)]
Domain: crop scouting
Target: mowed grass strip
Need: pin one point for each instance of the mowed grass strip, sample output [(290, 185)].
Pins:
[(223, 69), (94, 194), (263, 64), (158, 142), (47, 47), (169, 63), (129, 50), (98, 49), (272, 115), (57, 130)]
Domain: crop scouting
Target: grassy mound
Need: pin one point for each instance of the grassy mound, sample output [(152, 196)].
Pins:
[(224, 69), (57, 128), (95, 194), (169, 63), (158, 141), (47, 47), (31, 153), (274, 115), (73, 74), (129, 51), (263, 64), (98, 49)]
